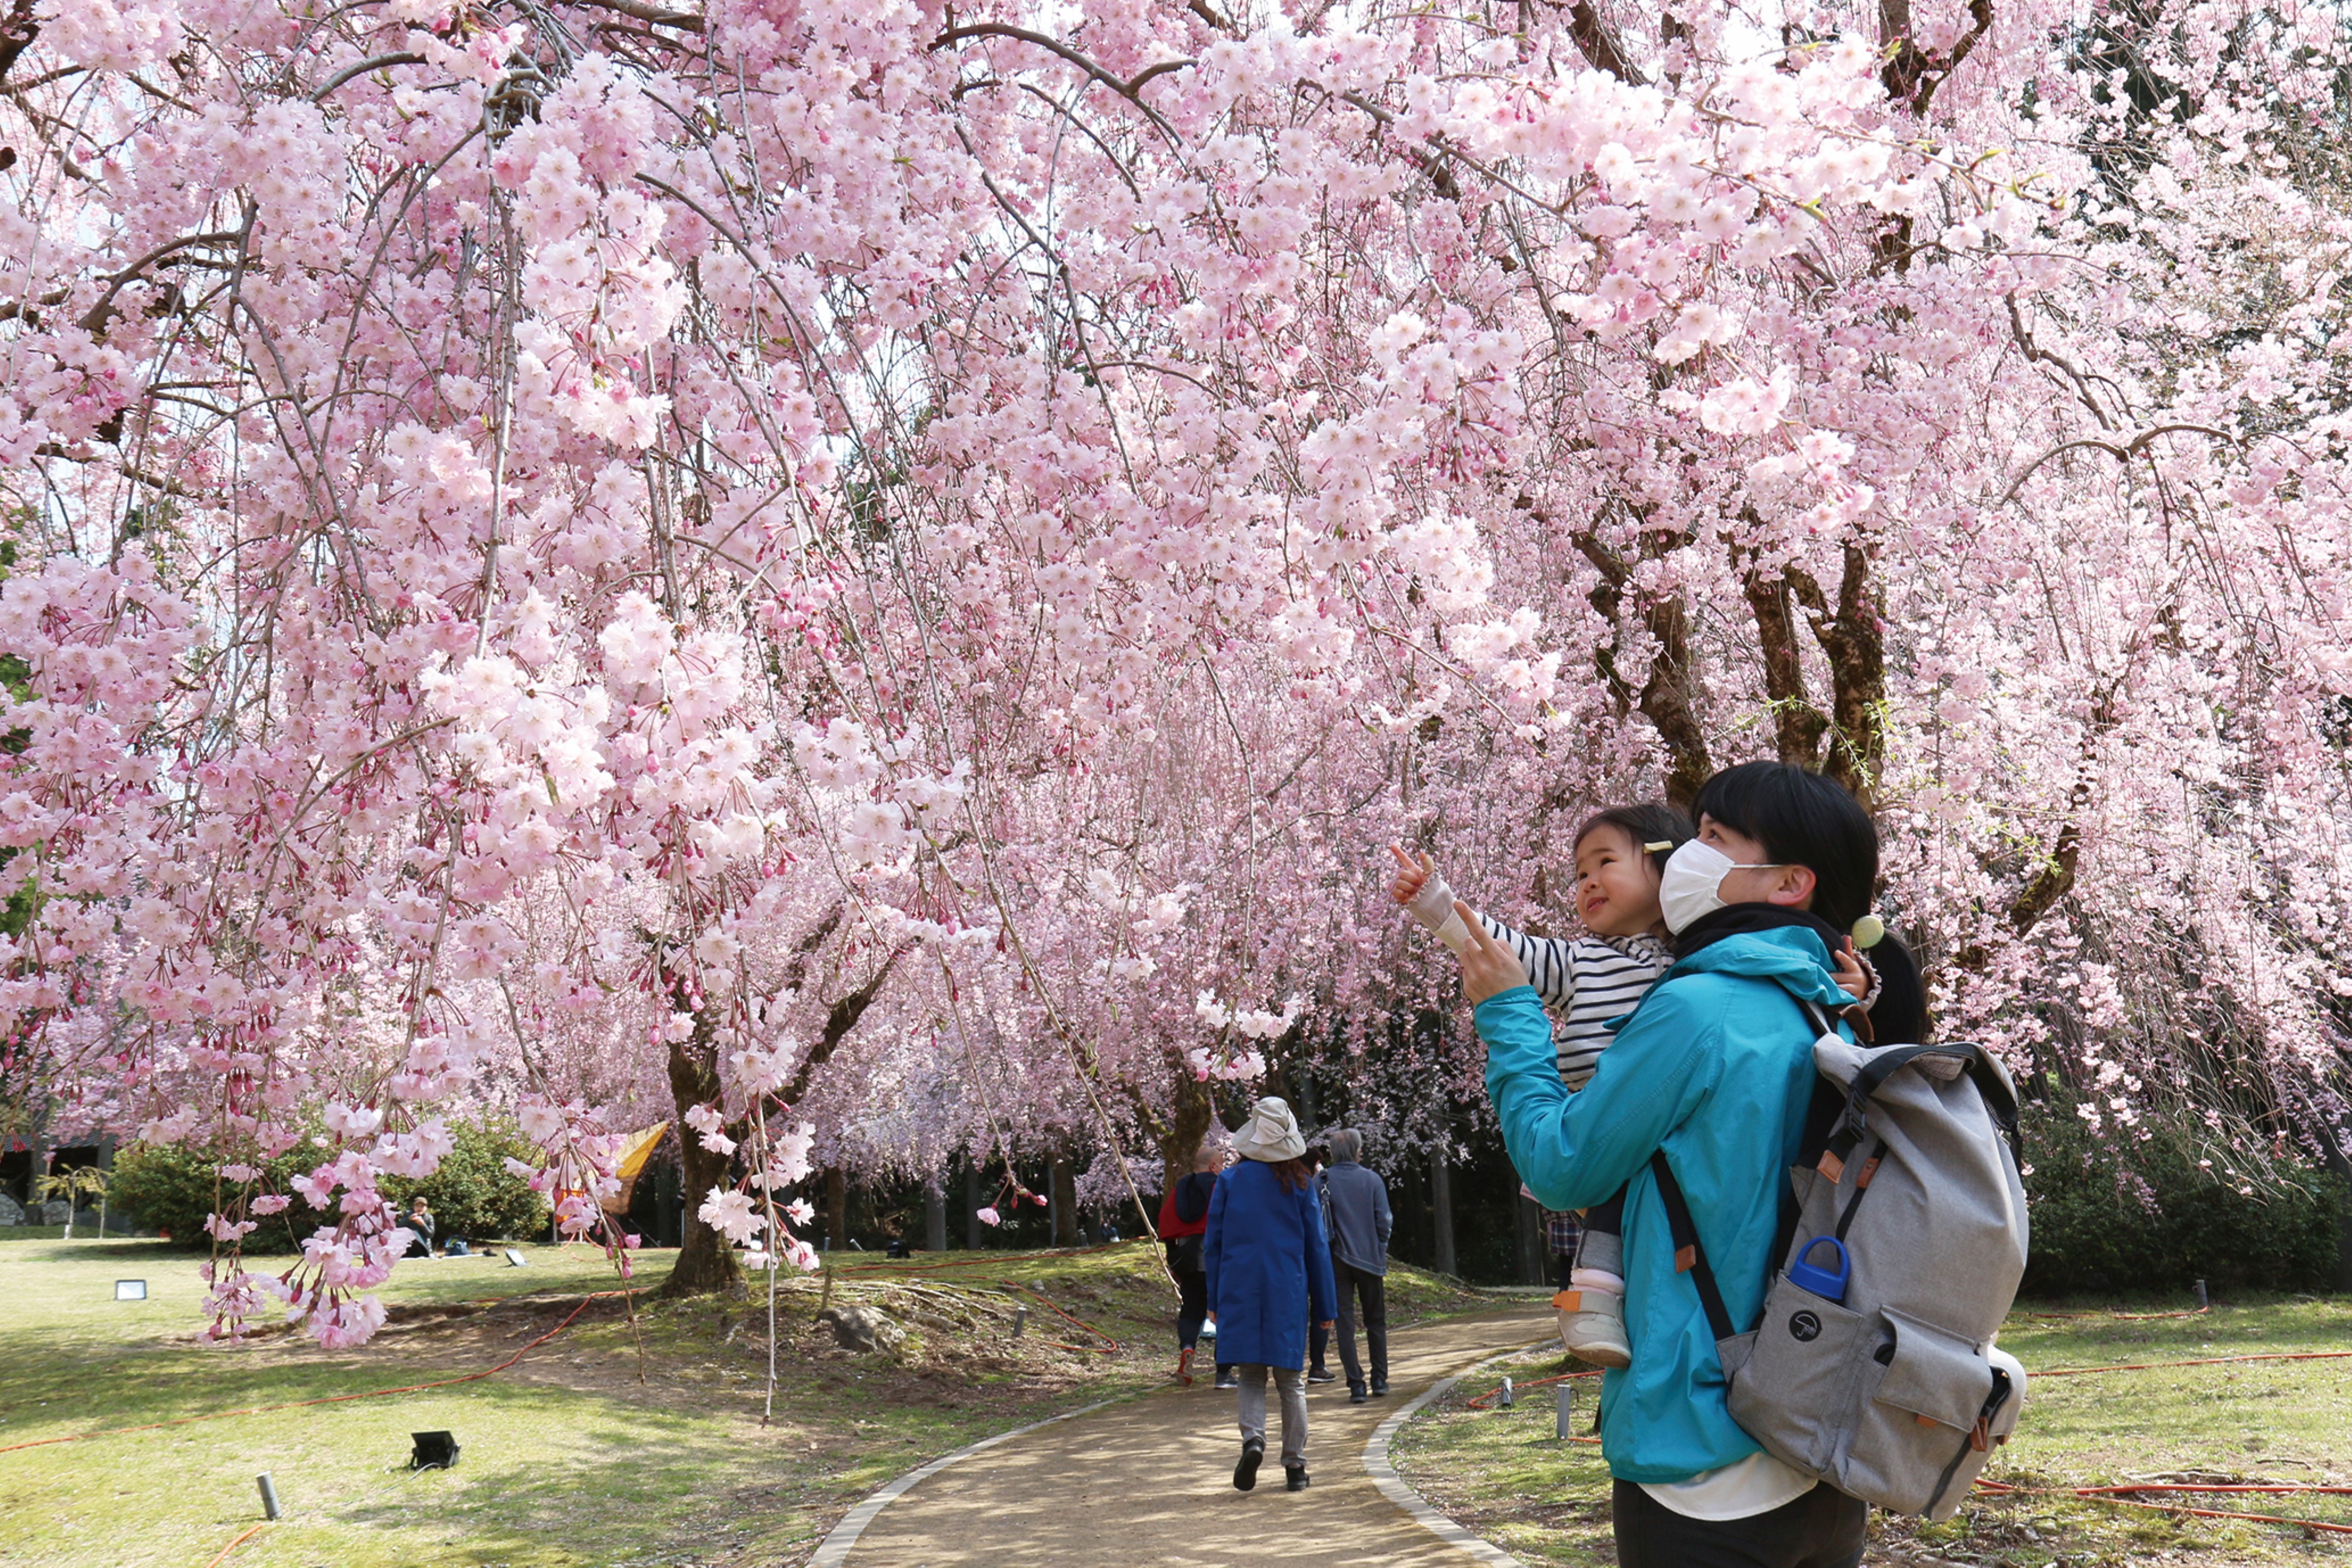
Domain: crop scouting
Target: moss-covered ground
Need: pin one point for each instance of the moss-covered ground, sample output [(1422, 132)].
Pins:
[(1503, 1474)]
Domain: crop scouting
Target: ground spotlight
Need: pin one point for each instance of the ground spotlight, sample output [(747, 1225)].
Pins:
[(433, 1451)]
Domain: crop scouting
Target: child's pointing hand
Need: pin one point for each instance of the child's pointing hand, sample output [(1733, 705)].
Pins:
[(1411, 875)]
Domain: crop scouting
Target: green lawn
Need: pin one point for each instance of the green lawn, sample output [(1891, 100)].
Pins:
[(1503, 1474), (568, 1460)]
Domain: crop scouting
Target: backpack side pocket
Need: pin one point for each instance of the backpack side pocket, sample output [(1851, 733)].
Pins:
[(1793, 1391), (1909, 1435)]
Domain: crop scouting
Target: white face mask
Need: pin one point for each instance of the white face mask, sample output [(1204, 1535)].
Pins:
[(1691, 886)]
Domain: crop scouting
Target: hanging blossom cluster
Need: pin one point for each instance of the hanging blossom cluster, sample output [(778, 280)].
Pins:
[(543, 578)]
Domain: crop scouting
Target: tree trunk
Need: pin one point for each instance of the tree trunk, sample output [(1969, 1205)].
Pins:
[(1179, 1136), (1063, 1202), (705, 1261), (1440, 1212), (935, 1215), (2342, 1166), (837, 1207), (975, 1234), (1530, 1227)]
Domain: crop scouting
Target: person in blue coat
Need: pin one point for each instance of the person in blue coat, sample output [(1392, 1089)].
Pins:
[(1269, 1264), (1714, 1070)]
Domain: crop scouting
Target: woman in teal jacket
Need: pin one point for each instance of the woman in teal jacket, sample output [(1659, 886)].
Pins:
[(1715, 1069)]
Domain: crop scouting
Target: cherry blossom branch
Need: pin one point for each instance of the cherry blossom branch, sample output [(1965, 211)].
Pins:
[(374, 62), (2123, 453)]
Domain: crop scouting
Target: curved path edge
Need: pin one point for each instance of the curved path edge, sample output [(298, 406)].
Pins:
[(1394, 1488), (833, 1549)]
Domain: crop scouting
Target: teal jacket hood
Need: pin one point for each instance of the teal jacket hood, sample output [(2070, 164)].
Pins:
[(1714, 1070), (1792, 957)]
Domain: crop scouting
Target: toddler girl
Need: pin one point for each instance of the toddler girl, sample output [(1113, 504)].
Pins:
[(1590, 981)]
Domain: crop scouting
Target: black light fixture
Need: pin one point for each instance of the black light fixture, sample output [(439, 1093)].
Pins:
[(433, 1451)]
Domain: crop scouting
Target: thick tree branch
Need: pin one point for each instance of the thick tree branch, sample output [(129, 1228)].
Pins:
[(1912, 74), (1128, 89), (1797, 724), (838, 1023), (658, 16), (1597, 42), (2122, 454), (1853, 638), (361, 67), (1669, 698)]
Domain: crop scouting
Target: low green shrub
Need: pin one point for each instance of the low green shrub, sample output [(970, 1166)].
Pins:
[(472, 1194), (172, 1189), (2111, 1214)]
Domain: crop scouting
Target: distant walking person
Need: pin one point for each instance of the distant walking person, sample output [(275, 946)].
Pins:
[(1183, 1217), (1358, 1200), (1268, 1262)]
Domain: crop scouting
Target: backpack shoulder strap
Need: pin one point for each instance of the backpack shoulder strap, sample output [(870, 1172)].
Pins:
[(1690, 1258)]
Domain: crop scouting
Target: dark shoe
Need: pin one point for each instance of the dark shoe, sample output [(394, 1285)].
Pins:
[(1320, 1376), (1246, 1472), (1356, 1394), (1379, 1388), (1294, 1477), (1227, 1380)]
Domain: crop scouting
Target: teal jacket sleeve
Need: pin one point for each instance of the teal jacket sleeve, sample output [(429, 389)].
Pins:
[(1574, 1150)]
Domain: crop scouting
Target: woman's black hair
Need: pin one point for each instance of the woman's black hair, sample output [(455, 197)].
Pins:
[(1803, 819), (1652, 821)]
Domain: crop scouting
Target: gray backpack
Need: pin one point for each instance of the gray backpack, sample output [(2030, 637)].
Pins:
[(1873, 1366)]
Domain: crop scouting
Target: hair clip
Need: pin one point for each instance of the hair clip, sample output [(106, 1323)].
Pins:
[(1869, 931), (1660, 848)]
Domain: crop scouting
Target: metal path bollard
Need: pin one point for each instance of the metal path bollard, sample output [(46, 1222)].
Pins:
[(270, 1509), (1566, 1421), (1020, 1320), (1509, 1397), (2202, 1302)]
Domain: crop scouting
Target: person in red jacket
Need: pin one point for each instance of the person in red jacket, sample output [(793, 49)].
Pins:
[(1183, 1216)]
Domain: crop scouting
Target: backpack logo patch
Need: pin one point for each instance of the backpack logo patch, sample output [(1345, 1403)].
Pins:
[(1804, 1326)]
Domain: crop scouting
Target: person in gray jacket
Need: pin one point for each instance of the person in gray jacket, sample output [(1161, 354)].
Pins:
[(1356, 1202)]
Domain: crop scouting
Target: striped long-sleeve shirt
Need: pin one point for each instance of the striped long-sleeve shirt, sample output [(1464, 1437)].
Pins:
[(1584, 982)]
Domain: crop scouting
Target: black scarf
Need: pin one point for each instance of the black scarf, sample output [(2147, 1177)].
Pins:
[(1735, 920)]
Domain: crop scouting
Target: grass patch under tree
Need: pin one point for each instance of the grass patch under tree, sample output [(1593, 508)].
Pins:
[(568, 1460), (1503, 1474)]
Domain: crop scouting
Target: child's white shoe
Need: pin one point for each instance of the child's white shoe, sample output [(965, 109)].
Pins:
[(1592, 1327)]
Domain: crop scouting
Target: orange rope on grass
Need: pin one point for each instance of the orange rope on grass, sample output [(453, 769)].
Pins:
[(2106, 1494), (2200, 1361), (910, 1264), (332, 1398), (1039, 1297), (1479, 1401), (2114, 1316), (247, 1534)]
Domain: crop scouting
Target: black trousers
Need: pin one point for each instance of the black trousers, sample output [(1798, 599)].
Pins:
[(1191, 1307), (1355, 1284), (1823, 1529)]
